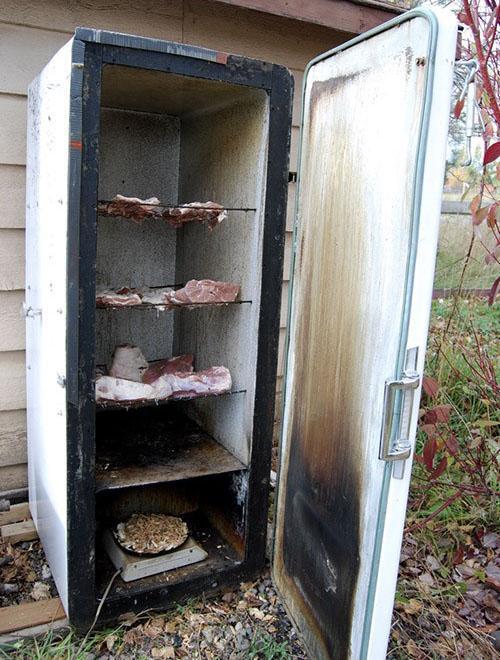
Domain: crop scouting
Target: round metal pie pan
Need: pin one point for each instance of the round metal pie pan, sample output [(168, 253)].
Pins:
[(151, 533)]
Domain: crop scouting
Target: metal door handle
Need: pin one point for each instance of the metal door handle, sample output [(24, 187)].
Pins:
[(395, 442)]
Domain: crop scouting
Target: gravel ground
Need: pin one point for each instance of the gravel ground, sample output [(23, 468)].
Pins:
[(246, 623)]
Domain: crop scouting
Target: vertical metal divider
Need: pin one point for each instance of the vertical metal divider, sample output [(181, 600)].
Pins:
[(280, 110), (81, 335)]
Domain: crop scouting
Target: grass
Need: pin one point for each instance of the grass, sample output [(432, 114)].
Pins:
[(454, 239), (63, 645), (265, 647), (431, 594), (484, 317), (60, 645), (453, 363), (180, 631)]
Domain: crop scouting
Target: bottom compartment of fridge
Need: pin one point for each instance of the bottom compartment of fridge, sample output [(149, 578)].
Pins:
[(213, 510)]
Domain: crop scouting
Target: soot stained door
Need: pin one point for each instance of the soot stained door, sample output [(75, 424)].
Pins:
[(374, 128)]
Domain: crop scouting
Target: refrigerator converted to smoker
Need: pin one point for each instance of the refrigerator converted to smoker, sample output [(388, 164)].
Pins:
[(113, 114)]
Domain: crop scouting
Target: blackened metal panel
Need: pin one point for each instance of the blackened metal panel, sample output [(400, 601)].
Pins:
[(82, 217), (365, 120), (280, 120), (147, 44), (233, 69)]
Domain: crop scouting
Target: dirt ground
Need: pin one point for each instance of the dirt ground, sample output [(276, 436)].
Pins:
[(24, 574), (249, 622)]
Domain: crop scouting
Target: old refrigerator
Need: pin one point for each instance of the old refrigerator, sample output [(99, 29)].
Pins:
[(112, 114)]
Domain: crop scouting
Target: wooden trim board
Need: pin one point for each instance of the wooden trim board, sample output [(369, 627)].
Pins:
[(19, 531), (33, 631), (349, 16), (28, 615), (29, 618), (16, 513)]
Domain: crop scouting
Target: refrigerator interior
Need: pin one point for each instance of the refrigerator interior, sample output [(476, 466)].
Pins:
[(182, 140)]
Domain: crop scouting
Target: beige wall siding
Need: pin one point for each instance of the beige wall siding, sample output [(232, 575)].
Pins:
[(13, 129), (13, 477), (19, 62), (156, 18), (12, 381), (12, 188), (13, 326), (12, 437), (11, 260), (30, 33)]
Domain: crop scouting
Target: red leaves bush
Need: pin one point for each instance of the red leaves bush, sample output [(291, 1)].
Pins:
[(449, 440)]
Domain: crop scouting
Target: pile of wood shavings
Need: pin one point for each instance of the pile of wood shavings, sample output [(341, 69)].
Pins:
[(151, 533)]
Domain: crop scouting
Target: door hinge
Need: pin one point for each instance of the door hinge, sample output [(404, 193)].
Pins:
[(31, 312)]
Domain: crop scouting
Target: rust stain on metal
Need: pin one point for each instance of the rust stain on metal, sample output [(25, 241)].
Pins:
[(221, 57)]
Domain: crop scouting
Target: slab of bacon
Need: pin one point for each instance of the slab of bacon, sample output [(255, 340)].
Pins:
[(204, 291), (157, 296), (108, 388), (178, 385), (195, 292), (131, 379), (209, 212), (133, 208), (215, 380), (155, 370), (138, 210), (120, 298)]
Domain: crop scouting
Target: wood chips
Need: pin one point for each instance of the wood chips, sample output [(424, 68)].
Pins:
[(151, 533)]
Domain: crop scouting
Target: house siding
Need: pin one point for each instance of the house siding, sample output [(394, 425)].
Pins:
[(30, 33)]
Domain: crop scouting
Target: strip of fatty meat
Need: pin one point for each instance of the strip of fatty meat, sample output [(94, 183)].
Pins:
[(205, 291), (108, 388), (138, 210), (182, 385), (129, 363), (156, 296), (209, 212), (133, 208), (177, 385), (120, 298), (155, 370)]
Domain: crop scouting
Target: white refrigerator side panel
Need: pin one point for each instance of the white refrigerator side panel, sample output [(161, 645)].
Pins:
[(418, 326), (46, 287)]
